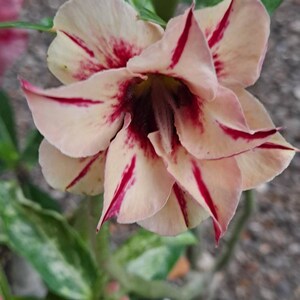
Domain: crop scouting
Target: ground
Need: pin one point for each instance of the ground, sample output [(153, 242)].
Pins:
[(266, 263)]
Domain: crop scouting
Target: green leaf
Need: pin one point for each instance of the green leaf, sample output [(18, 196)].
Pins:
[(31, 152), (48, 243), (151, 256), (8, 137), (155, 264), (146, 12), (34, 193), (142, 3), (27, 25), (202, 3), (271, 5), (165, 9)]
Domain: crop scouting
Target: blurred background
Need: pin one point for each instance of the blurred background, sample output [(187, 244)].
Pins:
[(266, 264)]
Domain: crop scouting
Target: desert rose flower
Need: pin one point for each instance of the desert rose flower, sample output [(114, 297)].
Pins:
[(12, 42), (160, 119)]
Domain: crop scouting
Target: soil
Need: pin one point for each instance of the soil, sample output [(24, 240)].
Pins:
[(267, 259)]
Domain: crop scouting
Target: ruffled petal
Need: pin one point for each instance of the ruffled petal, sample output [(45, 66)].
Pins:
[(80, 119), (95, 35), (214, 184), (137, 184), (181, 53), (265, 162), (237, 32), (75, 175), (180, 213), (268, 160), (217, 129)]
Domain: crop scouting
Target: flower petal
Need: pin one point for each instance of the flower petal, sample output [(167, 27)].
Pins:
[(180, 213), (181, 53), (80, 119), (95, 35), (217, 129), (214, 184), (75, 175), (12, 41), (137, 184), (263, 163), (237, 32), (268, 160)]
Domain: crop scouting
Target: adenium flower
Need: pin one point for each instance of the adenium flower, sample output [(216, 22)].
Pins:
[(12, 41), (160, 119)]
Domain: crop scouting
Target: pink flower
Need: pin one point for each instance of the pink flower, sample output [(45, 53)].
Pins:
[(12, 42), (160, 119)]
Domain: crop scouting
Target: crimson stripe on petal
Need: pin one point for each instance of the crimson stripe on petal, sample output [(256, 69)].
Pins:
[(182, 203), (182, 40), (274, 146), (207, 198), (83, 172), (127, 181), (218, 33), (237, 134), (79, 42), (81, 102)]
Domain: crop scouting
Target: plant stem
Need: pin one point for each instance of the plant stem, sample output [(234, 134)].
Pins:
[(158, 289), (4, 287), (242, 220), (26, 25), (195, 251), (165, 9), (99, 243)]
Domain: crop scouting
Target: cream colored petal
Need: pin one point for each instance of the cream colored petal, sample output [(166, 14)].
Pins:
[(181, 53), (215, 184), (217, 129), (75, 175), (80, 119), (263, 163), (137, 184), (180, 213), (95, 35), (237, 32)]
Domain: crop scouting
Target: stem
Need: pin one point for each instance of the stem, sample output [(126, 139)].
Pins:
[(225, 257), (99, 243), (195, 251), (158, 289), (165, 9), (4, 287), (26, 25)]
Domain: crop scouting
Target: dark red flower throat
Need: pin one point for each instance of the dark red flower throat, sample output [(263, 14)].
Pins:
[(152, 103)]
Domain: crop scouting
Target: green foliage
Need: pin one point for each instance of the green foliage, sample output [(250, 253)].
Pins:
[(202, 3), (142, 3), (271, 5), (8, 138), (4, 287), (48, 243), (37, 195), (43, 26), (146, 11), (31, 151), (165, 9), (151, 256)]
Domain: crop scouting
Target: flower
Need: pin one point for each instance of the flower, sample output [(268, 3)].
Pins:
[(12, 42), (160, 119)]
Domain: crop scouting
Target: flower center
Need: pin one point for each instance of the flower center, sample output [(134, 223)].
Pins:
[(152, 104)]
